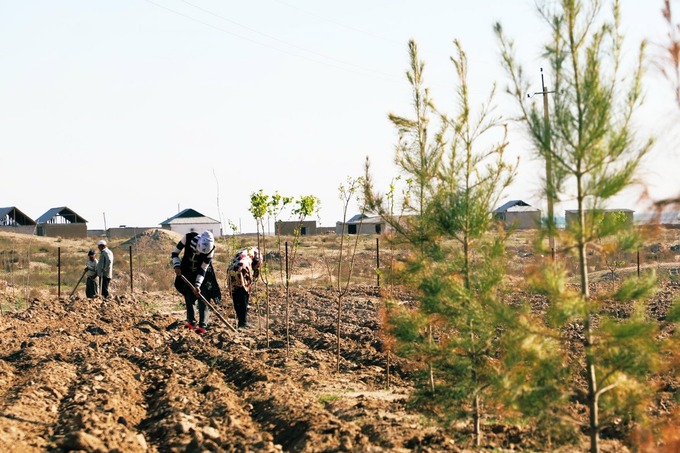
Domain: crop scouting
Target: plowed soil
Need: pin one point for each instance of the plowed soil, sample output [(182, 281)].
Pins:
[(101, 375), (124, 375)]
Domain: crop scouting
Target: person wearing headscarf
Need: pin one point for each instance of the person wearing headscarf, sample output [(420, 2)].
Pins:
[(196, 266)]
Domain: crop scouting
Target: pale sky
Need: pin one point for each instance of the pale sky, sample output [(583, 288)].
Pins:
[(129, 110)]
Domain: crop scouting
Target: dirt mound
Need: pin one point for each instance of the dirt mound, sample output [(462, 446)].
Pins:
[(154, 240)]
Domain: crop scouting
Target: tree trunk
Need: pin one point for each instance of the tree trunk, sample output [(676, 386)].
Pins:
[(592, 395), (581, 237), (429, 365), (476, 420), (337, 357), (585, 293), (287, 306)]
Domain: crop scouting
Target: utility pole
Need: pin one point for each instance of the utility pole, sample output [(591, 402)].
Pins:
[(550, 187)]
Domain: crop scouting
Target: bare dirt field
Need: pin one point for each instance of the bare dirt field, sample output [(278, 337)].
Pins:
[(124, 375)]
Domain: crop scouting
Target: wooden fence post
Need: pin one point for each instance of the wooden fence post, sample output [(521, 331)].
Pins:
[(377, 259), (132, 289), (59, 273)]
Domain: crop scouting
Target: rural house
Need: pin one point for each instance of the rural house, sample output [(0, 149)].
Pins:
[(15, 221), (188, 221), (362, 224), (61, 222), (518, 214), (571, 215), (307, 227)]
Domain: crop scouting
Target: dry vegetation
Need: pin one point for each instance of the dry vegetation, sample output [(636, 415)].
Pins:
[(123, 375)]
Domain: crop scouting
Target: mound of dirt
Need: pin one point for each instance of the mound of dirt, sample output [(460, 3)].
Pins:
[(153, 240)]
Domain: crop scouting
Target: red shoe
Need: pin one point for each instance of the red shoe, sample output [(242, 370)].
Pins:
[(200, 330), (189, 326)]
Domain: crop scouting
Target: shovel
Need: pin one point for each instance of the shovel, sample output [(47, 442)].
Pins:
[(81, 279), (211, 306)]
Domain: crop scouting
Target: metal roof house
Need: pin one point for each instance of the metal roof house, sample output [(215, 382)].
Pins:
[(518, 214), (189, 220), (362, 224), (61, 222), (15, 221)]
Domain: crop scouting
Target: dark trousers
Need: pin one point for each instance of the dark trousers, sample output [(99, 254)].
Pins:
[(203, 310), (91, 287), (240, 297), (105, 287)]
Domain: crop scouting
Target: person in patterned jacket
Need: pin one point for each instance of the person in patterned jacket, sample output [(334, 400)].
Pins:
[(241, 274), (196, 266)]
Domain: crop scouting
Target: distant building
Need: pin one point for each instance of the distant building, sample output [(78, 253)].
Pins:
[(96, 233), (519, 215), (189, 221), (307, 227), (571, 215), (362, 224), (15, 221), (61, 222)]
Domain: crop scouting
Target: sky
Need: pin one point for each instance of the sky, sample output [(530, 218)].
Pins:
[(128, 111)]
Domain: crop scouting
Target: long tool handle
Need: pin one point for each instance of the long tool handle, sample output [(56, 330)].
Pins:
[(81, 279), (211, 306)]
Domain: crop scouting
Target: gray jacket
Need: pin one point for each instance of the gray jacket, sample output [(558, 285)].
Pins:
[(105, 264)]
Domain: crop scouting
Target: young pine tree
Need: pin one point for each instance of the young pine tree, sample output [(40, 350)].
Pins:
[(457, 260), (591, 143)]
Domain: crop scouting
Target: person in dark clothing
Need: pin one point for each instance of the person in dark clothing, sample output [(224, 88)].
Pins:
[(241, 274), (91, 286), (196, 266)]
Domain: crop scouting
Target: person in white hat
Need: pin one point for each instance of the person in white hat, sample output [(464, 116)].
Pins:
[(196, 266), (105, 267)]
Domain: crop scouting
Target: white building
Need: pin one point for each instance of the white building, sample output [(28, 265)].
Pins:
[(189, 221)]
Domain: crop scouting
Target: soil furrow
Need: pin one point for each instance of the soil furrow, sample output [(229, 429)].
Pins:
[(191, 403), (31, 408)]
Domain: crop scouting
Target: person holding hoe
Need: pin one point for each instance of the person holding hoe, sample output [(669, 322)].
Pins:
[(241, 274), (196, 266), (91, 287)]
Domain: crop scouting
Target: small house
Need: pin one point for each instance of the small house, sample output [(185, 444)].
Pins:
[(519, 215), (362, 224), (306, 227), (189, 220), (61, 222), (15, 221)]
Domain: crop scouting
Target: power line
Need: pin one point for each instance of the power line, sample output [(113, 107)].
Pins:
[(349, 27), (274, 38), (253, 41)]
